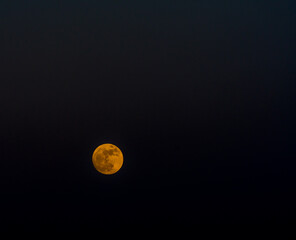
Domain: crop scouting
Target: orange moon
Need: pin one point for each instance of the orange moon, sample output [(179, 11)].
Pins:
[(107, 159)]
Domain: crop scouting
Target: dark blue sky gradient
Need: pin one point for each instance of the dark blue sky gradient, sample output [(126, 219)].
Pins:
[(199, 95)]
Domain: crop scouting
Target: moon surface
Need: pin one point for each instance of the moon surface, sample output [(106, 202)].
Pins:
[(107, 158)]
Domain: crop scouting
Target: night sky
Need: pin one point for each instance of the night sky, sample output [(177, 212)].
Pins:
[(200, 96)]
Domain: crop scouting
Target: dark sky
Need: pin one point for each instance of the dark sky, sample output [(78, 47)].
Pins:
[(199, 95)]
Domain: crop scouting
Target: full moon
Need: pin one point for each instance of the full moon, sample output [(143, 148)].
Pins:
[(107, 158)]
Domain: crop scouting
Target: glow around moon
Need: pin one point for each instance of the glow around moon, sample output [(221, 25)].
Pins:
[(107, 158)]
